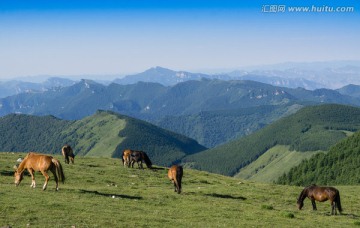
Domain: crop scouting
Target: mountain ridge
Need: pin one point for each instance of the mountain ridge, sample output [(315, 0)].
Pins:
[(103, 134)]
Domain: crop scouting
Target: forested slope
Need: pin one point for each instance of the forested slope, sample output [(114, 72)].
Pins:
[(340, 166), (310, 129)]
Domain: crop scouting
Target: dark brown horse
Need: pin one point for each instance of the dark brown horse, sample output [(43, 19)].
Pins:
[(131, 156), (67, 153), (40, 162), (175, 174), (321, 194)]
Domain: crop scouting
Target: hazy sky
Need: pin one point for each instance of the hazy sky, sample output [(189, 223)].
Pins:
[(119, 37)]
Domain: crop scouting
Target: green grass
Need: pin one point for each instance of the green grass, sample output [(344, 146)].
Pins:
[(99, 192), (273, 163)]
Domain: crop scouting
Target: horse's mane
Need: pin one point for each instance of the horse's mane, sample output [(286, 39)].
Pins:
[(305, 191), (303, 194)]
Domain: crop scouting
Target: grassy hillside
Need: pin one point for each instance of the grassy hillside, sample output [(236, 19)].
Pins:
[(310, 129), (273, 163), (339, 166), (99, 192), (104, 134), (97, 135)]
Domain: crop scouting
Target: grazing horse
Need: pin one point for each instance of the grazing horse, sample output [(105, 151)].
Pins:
[(67, 152), (175, 174), (40, 162), (139, 157), (321, 194), (131, 156)]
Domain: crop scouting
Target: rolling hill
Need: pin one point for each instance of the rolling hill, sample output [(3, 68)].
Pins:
[(314, 128), (104, 134)]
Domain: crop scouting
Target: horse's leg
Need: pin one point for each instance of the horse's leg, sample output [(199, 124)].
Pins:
[(333, 208), (56, 179), (33, 184), (313, 204), (47, 177)]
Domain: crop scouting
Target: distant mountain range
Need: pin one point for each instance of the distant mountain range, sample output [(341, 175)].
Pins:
[(13, 87), (154, 101), (165, 105), (166, 77), (307, 76), (310, 76)]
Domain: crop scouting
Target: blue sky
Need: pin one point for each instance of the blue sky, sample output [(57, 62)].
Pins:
[(120, 37)]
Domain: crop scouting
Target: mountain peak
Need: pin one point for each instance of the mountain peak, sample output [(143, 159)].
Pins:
[(159, 69)]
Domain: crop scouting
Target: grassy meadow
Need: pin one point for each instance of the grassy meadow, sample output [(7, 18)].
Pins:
[(100, 192)]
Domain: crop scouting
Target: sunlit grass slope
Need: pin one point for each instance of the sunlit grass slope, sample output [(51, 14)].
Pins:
[(97, 135), (100, 192), (272, 164)]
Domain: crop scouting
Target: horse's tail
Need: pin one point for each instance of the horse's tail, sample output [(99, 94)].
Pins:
[(179, 174), (338, 202), (59, 170), (147, 160)]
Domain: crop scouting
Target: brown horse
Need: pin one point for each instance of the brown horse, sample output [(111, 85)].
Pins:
[(320, 194), (175, 174), (40, 162), (126, 157), (67, 152), (131, 156)]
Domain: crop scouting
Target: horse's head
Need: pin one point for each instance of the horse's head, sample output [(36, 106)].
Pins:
[(18, 177), (126, 159), (72, 159), (300, 204)]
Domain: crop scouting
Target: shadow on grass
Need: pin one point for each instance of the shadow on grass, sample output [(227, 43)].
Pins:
[(111, 195), (157, 168), (93, 166), (349, 215), (7, 173), (225, 196)]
